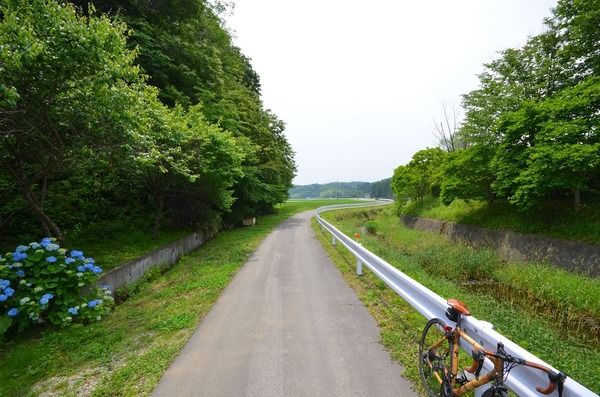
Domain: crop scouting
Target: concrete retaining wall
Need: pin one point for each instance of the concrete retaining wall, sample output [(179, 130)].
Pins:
[(164, 256), (575, 256)]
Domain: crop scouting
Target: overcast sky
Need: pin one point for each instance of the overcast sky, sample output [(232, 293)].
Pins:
[(360, 83)]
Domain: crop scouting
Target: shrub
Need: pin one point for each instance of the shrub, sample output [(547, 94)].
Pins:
[(371, 227), (44, 284)]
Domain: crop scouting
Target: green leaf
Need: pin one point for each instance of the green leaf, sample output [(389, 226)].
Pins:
[(5, 323)]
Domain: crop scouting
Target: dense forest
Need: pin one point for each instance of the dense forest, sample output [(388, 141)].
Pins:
[(123, 113), (531, 131), (375, 190)]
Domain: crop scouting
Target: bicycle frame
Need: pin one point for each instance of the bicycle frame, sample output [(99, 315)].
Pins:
[(502, 361), (496, 373)]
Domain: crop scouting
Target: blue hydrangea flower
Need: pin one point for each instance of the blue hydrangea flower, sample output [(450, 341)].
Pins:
[(80, 268), (96, 270), (68, 261), (51, 259), (34, 245), (13, 312), (93, 303), (19, 256), (21, 273), (45, 299), (4, 284), (21, 248), (45, 242), (90, 260), (73, 311), (52, 247), (9, 292), (77, 254), (3, 297)]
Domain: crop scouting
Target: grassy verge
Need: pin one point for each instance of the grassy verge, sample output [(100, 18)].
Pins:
[(551, 219), (127, 353), (538, 318), (123, 248)]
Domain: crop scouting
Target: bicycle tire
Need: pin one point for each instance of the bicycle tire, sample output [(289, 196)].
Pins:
[(434, 361)]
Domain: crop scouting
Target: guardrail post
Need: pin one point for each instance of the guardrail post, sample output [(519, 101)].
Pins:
[(359, 267), (333, 240)]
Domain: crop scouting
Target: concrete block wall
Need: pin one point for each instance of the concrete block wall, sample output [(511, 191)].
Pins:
[(574, 256), (163, 256)]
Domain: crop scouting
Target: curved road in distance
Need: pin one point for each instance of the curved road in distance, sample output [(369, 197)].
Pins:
[(287, 325)]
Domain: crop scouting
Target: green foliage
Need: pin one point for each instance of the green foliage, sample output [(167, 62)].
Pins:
[(336, 190), (553, 218), (468, 175), (541, 308), (539, 105), (127, 352), (371, 227), (88, 141), (382, 189), (531, 128), (77, 94), (43, 283), (420, 177)]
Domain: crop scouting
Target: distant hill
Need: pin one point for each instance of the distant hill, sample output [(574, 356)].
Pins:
[(380, 189)]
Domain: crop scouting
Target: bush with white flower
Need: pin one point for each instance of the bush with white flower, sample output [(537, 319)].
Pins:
[(43, 283)]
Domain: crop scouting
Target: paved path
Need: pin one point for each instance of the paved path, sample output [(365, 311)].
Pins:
[(287, 325)]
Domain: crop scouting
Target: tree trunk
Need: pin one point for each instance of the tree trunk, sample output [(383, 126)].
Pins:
[(49, 227), (158, 216), (577, 199)]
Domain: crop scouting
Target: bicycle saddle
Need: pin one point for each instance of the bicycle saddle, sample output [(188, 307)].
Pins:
[(458, 306)]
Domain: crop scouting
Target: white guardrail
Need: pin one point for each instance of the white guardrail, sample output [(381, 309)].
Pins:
[(522, 380)]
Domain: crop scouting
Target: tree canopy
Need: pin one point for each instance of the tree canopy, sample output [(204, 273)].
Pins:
[(531, 129), (123, 112)]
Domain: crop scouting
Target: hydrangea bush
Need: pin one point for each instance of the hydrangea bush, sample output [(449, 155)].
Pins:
[(43, 283)]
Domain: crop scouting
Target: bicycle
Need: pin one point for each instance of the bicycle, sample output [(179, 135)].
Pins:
[(439, 355)]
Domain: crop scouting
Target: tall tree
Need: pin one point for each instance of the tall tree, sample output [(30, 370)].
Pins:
[(420, 177), (69, 87), (190, 57), (468, 175), (447, 130)]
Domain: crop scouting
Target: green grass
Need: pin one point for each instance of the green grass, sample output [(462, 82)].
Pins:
[(126, 353), (555, 218), (543, 317), (123, 248)]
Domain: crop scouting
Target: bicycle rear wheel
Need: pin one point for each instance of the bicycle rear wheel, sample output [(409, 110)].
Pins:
[(434, 362)]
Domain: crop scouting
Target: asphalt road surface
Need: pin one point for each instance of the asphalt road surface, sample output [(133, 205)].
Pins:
[(287, 325)]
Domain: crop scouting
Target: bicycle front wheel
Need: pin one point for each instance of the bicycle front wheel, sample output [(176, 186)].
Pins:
[(495, 393), (434, 357)]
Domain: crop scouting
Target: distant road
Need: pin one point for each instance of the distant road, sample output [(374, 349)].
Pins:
[(287, 325)]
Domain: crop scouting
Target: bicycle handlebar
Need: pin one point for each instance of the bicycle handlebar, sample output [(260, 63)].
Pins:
[(556, 380), (478, 360)]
